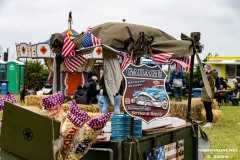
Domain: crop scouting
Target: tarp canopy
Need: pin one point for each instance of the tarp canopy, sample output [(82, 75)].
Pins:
[(125, 37)]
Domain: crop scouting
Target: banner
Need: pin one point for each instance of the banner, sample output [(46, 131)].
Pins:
[(43, 50), (145, 95), (96, 54), (23, 50)]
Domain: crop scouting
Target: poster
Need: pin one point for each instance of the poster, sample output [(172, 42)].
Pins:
[(172, 151), (145, 96)]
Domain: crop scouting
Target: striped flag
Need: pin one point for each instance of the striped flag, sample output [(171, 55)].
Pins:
[(90, 40), (161, 57), (72, 63), (68, 47), (179, 64), (126, 60), (187, 60)]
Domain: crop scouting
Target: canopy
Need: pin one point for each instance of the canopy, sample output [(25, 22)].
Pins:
[(125, 37), (141, 39)]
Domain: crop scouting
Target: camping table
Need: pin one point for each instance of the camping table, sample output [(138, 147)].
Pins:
[(227, 92), (129, 149)]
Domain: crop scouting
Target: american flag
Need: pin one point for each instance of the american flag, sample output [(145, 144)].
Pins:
[(90, 40), (161, 57), (72, 63), (179, 64), (126, 60), (68, 47), (187, 60)]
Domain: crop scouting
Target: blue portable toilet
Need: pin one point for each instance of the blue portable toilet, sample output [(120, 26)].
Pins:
[(197, 92), (3, 71), (4, 87)]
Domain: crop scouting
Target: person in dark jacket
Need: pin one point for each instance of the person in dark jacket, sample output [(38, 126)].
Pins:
[(224, 86), (206, 99), (217, 94), (92, 92), (178, 80), (80, 96), (22, 94)]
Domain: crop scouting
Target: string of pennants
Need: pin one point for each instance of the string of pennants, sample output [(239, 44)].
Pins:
[(72, 62)]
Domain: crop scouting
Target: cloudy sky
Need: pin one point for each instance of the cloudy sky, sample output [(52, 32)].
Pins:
[(35, 20)]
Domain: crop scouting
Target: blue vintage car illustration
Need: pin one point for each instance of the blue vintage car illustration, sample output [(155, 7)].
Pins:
[(155, 96)]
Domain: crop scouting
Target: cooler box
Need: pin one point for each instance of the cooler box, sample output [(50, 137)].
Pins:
[(120, 126), (197, 92)]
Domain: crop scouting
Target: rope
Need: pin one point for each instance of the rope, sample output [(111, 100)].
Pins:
[(129, 139)]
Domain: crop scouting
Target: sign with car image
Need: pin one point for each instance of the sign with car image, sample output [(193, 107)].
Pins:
[(145, 95)]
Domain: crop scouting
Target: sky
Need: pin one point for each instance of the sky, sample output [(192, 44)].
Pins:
[(36, 20)]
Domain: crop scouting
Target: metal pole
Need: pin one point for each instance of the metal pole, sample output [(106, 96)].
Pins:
[(58, 63), (188, 117), (132, 119)]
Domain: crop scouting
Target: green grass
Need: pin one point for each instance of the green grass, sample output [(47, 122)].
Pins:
[(225, 135)]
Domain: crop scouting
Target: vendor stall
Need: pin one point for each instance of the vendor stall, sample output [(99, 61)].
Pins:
[(144, 97)]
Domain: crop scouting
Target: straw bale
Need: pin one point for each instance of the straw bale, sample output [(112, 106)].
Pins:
[(217, 115), (34, 100), (179, 109), (214, 104), (35, 109), (91, 114), (65, 107)]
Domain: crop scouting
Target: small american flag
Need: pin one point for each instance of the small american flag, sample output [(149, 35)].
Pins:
[(126, 60), (187, 60), (179, 64), (161, 57), (72, 63), (90, 40), (68, 47)]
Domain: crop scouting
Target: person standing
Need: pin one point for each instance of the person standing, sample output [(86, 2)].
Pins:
[(177, 80), (105, 101), (232, 98), (206, 99), (22, 94), (92, 92)]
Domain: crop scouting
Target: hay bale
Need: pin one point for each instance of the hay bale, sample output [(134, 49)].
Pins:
[(179, 109), (217, 115), (34, 100), (35, 109)]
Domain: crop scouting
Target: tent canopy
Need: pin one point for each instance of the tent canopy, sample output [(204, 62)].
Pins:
[(125, 37)]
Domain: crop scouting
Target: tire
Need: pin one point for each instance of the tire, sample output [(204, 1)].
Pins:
[(165, 103)]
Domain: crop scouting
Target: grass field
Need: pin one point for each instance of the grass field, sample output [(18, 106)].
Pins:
[(224, 136)]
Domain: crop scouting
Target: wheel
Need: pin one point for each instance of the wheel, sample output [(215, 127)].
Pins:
[(165, 103)]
